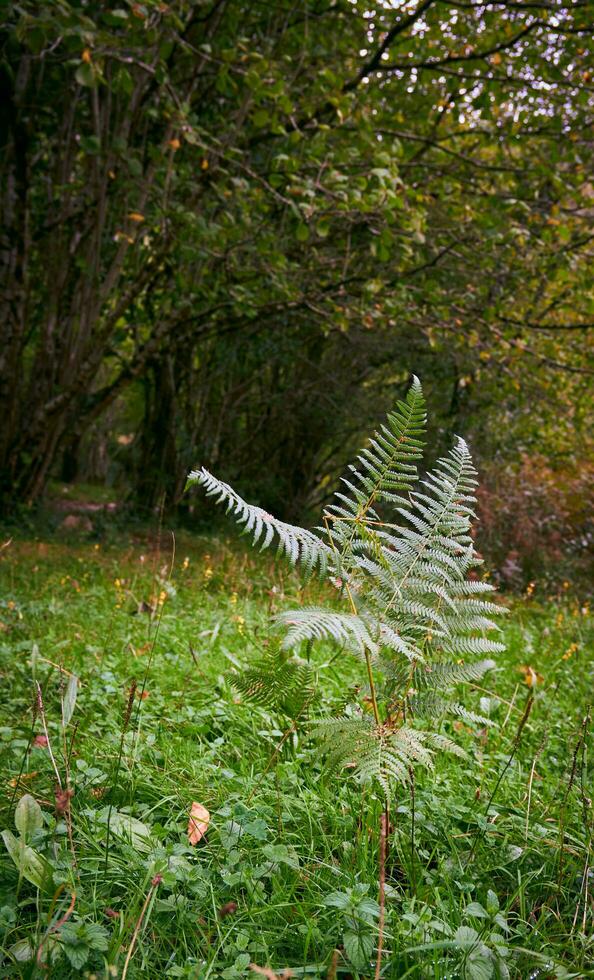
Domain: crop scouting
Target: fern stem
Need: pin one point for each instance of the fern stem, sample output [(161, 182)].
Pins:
[(372, 687), (382, 892), (354, 612)]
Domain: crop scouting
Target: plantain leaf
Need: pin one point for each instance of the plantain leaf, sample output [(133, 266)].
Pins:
[(30, 864), (28, 816)]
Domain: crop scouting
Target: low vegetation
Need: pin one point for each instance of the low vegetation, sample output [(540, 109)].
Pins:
[(488, 865)]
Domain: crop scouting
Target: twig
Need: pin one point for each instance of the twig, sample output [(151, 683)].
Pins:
[(331, 975), (382, 893), (411, 773)]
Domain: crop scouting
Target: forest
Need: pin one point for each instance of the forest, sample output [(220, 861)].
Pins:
[(328, 264)]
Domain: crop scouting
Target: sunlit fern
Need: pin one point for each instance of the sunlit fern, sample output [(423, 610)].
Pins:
[(401, 551)]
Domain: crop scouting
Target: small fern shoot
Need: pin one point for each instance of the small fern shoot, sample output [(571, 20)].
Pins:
[(402, 551)]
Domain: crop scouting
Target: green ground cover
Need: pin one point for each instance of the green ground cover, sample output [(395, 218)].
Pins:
[(488, 873)]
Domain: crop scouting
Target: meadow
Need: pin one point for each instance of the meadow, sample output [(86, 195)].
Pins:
[(488, 865)]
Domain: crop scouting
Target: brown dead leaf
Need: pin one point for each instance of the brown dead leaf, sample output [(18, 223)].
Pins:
[(24, 777), (198, 823), (265, 971), (531, 676), (40, 742)]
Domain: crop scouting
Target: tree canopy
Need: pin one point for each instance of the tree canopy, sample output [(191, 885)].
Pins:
[(232, 231)]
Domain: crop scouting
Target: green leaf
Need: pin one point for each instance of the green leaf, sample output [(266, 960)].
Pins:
[(131, 830), (281, 854), (479, 965), (302, 232), (77, 954), (368, 907), (358, 947), (466, 937), (261, 118), (85, 75), (492, 902), (69, 700), (338, 900), (477, 910), (28, 816), (22, 951), (30, 864)]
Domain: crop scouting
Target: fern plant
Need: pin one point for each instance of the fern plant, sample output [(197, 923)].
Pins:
[(401, 550)]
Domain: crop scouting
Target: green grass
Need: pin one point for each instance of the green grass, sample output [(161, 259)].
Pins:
[(288, 870)]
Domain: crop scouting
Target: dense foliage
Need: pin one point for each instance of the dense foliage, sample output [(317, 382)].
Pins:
[(488, 865), (231, 229)]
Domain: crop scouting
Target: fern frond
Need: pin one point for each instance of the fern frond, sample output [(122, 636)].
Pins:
[(444, 676), (445, 744), (311, 623), (383, 471), (296, 543), (373, 753), (279, 683), (433, 706)]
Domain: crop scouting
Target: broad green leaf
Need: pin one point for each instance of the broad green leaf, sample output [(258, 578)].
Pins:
[(85, 75), (492, 902), (479, 965), (261, 118), (130, 829), (338, 900), (466, 937), (30, 864), (28, 816), (21, 951), (281, 854), (359, 949), (477, 910)]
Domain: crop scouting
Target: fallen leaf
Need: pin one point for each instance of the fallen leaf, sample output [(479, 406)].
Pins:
[(227, 909), (174, 144), (265, 971), (198, 824), (136, 216), (86, 56), (24, 777), (531, 676), (40, 742)]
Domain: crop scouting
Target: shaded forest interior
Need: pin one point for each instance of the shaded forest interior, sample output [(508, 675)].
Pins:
[(232, 231)]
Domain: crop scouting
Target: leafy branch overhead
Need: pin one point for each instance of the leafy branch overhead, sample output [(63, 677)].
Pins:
[(401, 550)]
